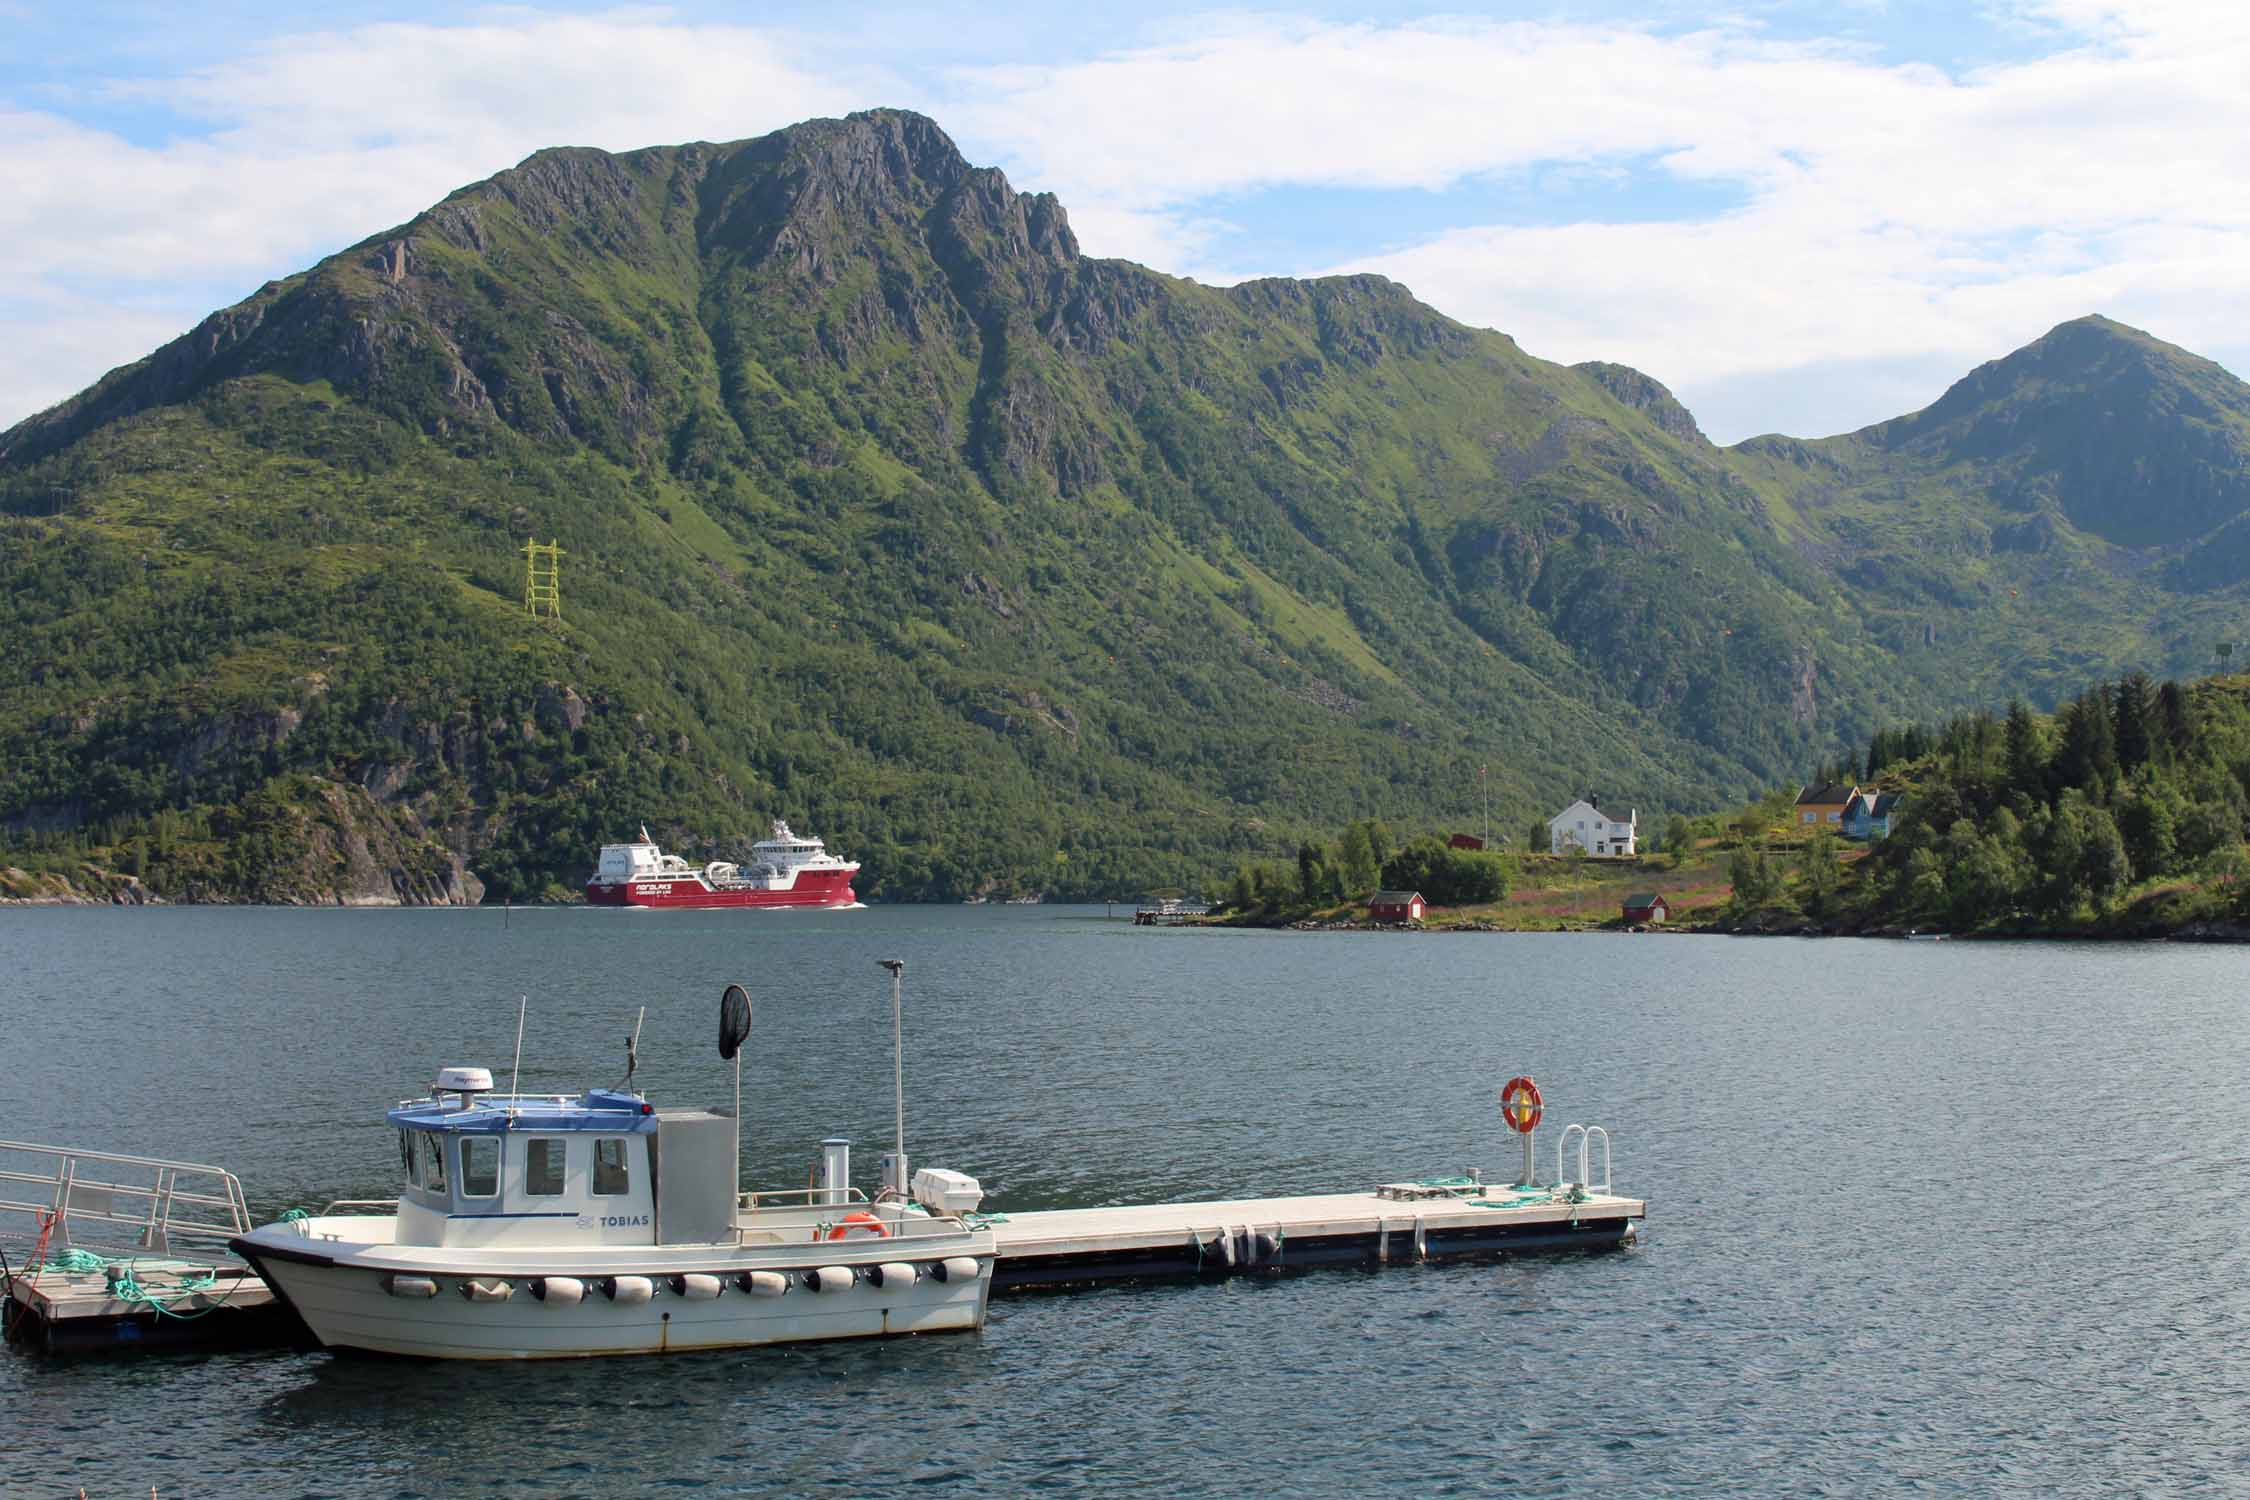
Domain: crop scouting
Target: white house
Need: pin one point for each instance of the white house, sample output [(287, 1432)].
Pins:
[(1589, 828)]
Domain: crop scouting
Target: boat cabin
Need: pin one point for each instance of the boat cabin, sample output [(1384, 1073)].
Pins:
[(600, 1168), (620, 863)]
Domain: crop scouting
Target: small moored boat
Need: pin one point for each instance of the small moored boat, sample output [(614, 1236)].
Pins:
[(545, 1226)]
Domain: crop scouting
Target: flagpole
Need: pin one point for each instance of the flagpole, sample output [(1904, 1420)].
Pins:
[(898, 1066)]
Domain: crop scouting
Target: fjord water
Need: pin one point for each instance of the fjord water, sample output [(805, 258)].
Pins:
[(1953, 1217)]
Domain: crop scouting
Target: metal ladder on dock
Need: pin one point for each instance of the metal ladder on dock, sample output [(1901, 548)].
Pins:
[(1584, 1181), (100, 1197)]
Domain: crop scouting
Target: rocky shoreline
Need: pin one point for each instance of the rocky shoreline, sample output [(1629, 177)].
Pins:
[(95, 886), (2194, 932)]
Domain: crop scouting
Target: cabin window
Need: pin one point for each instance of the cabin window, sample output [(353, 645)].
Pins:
[(610, 1177), (406, 1153), (543, 1168), (480, 1166), (433, 1164)]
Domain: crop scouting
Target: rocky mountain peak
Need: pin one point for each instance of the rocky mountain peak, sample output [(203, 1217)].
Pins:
[(877, 153), (2135, 440), (1645, 394)]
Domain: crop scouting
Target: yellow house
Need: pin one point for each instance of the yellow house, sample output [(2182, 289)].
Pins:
[(1823, 806)]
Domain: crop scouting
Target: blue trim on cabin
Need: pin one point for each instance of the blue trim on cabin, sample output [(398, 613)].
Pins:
[(597, 1111)]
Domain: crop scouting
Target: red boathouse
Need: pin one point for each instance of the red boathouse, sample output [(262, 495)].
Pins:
[(1397, 906)]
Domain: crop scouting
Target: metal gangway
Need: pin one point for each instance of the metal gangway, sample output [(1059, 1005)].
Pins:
[(100, 1198)]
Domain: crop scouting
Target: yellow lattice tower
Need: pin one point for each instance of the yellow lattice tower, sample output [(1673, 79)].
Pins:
[(542, 579)]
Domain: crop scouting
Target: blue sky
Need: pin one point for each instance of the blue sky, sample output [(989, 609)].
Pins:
[(1801, 217)]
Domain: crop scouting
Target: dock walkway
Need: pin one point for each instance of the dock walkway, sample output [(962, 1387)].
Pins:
[(163, 1303), (1399, 1222)]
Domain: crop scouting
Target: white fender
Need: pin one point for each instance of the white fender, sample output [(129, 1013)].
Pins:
[(765, 1284), (830, 1279), (959, 1268), (487, 1291), (410, 1286), (561, 1291), (894, 1276), (698, 1287), (630, 1291)]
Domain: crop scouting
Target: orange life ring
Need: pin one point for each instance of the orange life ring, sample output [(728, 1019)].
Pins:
[(859, 1221), (1520, 1105)]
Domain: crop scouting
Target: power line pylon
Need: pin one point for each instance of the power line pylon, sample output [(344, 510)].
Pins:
[(542, 580)]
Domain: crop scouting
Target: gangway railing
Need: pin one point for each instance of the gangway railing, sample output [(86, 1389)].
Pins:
[(812, 1197), (89, 1196), (1584, 1179)]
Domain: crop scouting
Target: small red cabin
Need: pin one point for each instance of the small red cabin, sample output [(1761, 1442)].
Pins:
[(1397, 906), (1646, 906), (1464, 841)]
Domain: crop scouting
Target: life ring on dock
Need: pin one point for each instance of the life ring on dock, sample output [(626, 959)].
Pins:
[(859, 1221), (1520, 1105)]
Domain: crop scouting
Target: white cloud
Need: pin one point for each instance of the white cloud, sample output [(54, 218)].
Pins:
[(1894, 213)]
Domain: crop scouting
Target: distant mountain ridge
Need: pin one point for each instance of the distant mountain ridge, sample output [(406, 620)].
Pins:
[(998, 565)]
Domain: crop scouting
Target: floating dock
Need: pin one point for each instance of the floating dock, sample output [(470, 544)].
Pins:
[(174, 1287), (1401, 1222), (156, 1304)]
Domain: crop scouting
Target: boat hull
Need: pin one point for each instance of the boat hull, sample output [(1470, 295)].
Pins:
[(350, 1307)]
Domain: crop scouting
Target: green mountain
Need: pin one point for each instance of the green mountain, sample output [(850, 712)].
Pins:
[(886, 510), (2071, 510)]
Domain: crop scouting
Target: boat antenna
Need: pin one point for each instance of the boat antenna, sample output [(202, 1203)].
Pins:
[(897, 966), (734, 1030), (633, 1050), (515, 1079)]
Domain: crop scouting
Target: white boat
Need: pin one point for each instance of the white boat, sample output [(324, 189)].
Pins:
[(551, 1226)]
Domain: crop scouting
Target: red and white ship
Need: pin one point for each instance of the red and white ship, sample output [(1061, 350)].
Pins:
[(785, 870)]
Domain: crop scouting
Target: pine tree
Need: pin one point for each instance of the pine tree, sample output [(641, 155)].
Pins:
[(2026, 752), (2135, 716), (2088, 756), (2174, 728)]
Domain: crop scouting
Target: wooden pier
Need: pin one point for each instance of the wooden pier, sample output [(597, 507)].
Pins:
[(157, 1304), (1400, 1222)]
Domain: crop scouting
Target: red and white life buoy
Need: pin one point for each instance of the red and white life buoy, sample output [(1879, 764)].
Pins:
[(1520, 1105), (859, 1222)]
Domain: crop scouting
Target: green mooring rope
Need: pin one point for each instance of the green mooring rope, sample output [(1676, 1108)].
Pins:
[(75, 1262), (1518, 1199), (126, 1287)]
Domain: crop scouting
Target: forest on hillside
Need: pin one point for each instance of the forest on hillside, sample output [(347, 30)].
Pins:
[(2124, 810)]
